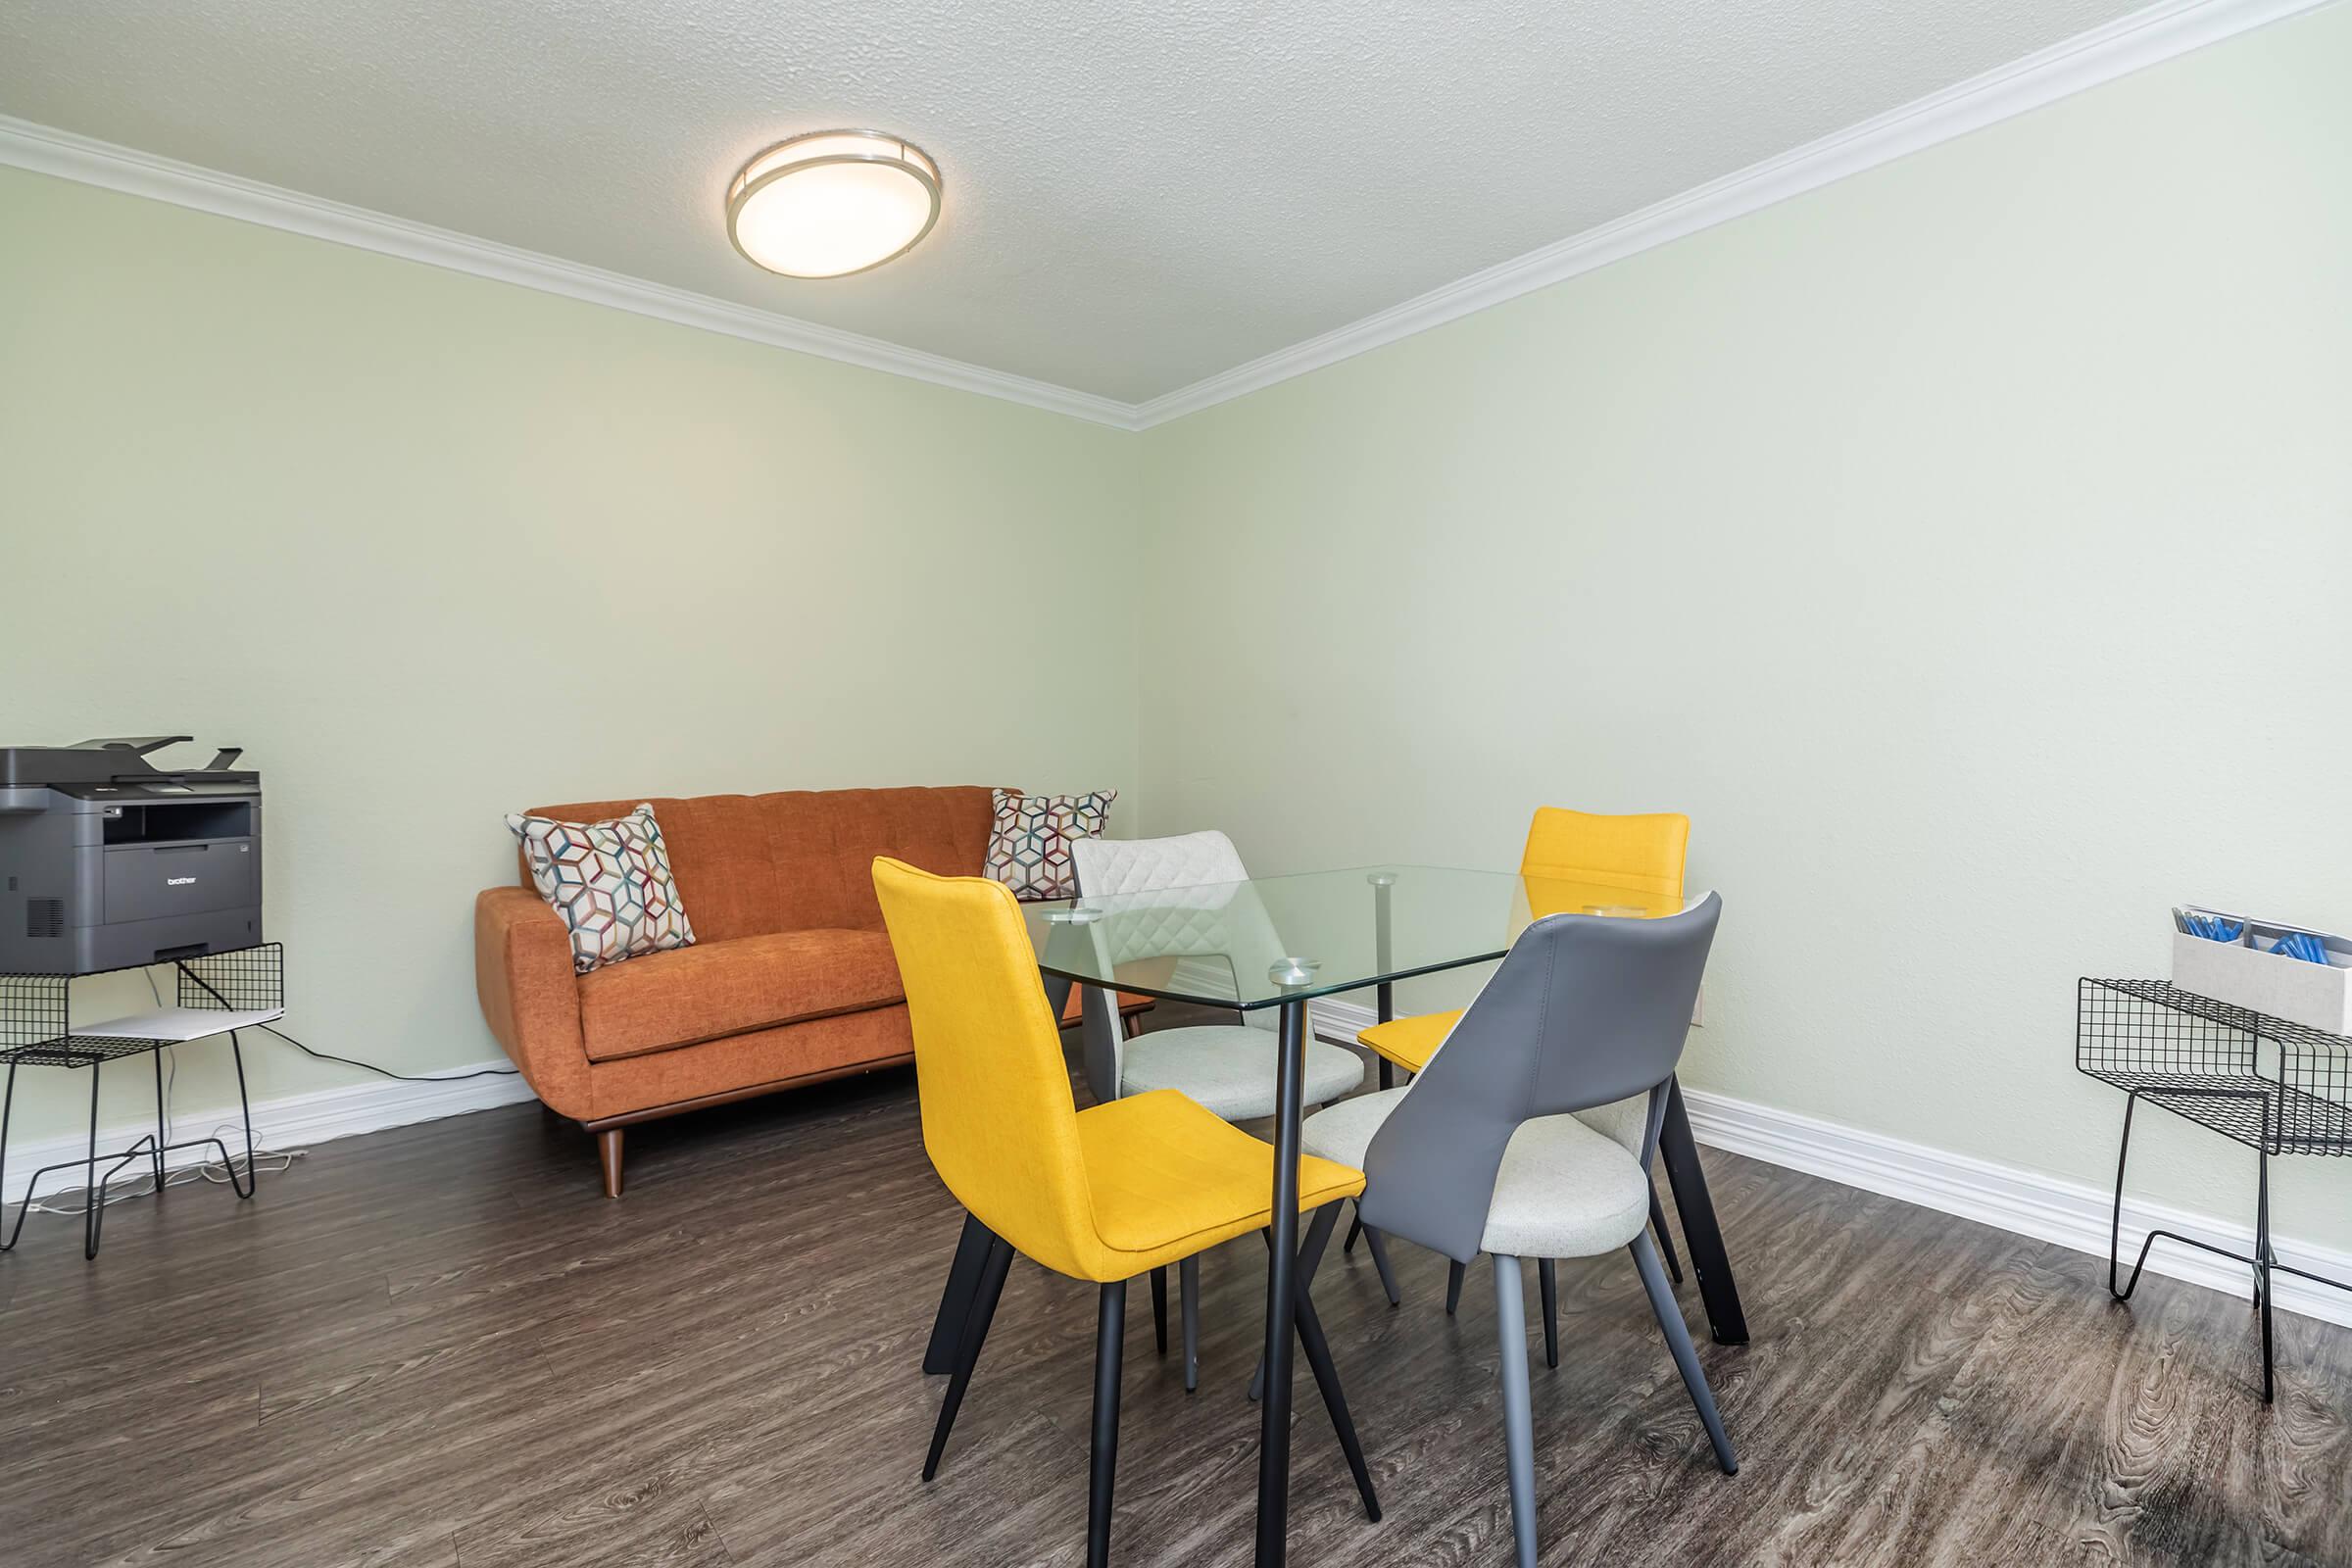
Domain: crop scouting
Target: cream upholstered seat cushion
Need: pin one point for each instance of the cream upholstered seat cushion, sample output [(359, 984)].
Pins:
[(1188, 899), (1564, 1189), (1230, 1068)]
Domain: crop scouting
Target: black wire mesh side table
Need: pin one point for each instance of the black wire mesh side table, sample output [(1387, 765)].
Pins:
[(2204, 1060), (216, 994)]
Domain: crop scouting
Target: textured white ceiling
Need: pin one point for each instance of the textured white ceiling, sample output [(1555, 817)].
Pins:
[(1135, 197)]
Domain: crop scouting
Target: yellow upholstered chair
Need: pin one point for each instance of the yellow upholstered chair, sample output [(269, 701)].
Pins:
[(1640, 854), (1102, 1195)]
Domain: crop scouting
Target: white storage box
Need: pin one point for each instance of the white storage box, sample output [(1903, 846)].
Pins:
[(2315, 993)]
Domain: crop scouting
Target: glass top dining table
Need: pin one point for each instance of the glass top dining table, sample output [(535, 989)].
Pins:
[(1277, 940), (1278, 943)]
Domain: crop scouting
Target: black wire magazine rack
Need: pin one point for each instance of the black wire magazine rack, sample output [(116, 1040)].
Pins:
[(214, 994), (2273, 1085)]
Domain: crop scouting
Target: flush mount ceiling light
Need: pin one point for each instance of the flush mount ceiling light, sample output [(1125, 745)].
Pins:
[(832, 203)]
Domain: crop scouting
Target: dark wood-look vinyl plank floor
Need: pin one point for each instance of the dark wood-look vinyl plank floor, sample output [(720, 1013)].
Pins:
[(441, 1347)]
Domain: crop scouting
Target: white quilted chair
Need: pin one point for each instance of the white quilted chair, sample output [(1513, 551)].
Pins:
[(1187, 899)]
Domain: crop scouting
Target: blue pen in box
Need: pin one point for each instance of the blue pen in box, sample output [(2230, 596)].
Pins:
[(2288, 971)]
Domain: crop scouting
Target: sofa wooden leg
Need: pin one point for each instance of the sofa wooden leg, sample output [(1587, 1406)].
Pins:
[(608, 1149)]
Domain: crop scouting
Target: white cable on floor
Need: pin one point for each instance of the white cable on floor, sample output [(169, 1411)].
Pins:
[(143, 1184)]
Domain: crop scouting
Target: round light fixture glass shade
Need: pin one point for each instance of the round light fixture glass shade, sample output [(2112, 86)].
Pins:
[(832, 203)]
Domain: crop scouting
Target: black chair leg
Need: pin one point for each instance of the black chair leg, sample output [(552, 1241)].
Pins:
[(1188, 1291), (1110, 1343), (1657, 1222), (1549, 1280), (1354, 1231), (1310, 1258), (1327, 1375), (1380, 1262), (967, 1355), (1159, 1308), (956, 1302), (1454, 1274), (1327, 1379)]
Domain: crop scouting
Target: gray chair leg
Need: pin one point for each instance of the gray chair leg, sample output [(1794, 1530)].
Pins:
[(1657, 1222), (1456, 1273), (1678, 1340), (1518, 1411), (1551, 1311), (1380, 1262), (1188, 1291)]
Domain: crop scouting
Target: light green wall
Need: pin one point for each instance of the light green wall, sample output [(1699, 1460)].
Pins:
[(434, 549), (1965, 546)]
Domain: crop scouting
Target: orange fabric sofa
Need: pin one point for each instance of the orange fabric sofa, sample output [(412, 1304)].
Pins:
[(790, 981)]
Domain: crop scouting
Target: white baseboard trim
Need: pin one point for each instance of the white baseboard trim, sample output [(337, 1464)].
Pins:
[(2049, 1208), (2009, 1198), (292, 1121)]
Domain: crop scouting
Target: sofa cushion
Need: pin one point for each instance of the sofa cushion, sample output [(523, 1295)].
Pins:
[(803, 859), (818, 1048), (715, 989), (1029, 845), (609, 881)]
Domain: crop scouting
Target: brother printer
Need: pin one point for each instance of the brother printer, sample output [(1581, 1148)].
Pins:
[(108, 862)]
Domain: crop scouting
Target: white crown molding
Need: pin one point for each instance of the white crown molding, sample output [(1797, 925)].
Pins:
[(44, 150), (2025, 1203), (290, 1122), (2148, 37), (2161, 32)]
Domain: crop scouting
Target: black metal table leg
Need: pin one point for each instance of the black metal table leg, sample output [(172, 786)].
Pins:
[(8, 1104), (1386, 994), (956, 1302), (1317, 1346), (162, 1130), (236, 1054), (1274, 1426), (94, 1204), (2262, 1268), (1701, 1233)]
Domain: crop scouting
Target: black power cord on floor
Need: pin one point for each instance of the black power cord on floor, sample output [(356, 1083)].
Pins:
[(386, 1072), (348, 1061)]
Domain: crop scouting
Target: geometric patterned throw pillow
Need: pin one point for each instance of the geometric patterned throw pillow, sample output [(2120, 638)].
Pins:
[(611, 883), (1029, 847)]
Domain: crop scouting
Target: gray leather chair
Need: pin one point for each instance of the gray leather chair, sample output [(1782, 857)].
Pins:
[(1530, 1134)]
